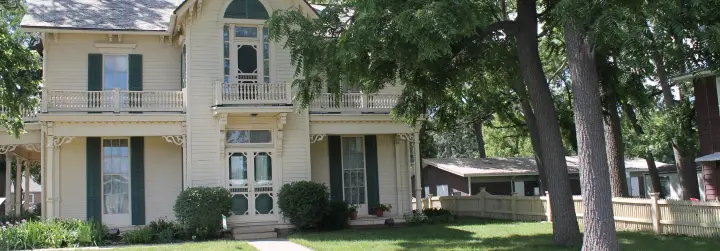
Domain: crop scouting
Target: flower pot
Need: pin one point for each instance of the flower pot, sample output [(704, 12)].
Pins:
[(379, 213), (353, 215)]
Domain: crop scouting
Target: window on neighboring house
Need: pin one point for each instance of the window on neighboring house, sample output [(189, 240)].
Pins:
[(353, 165), (665, 187), (427, 191), (31, 200), (249, 136), (717, 90), (116, 176), (634, 186), (442, 190), (115, 72)]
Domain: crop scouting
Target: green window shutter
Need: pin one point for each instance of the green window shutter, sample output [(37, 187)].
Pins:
[(371, 171), (135, 78), (137, 180), (135, 62), (94, 178), (95, 72), (335, 155)]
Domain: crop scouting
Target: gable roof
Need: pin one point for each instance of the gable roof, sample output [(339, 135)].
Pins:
[(115, 15), (473, 167), (124, 15)]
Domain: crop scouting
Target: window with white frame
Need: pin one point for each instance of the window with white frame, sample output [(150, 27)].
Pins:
[(115, 72), (442, 190), (353, 165), (116, 176), (249, 136), (31, 199), (243, 45)]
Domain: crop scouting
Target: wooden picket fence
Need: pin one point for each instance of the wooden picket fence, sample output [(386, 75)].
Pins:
[(631, 214)]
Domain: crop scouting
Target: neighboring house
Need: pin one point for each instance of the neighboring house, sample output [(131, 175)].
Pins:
[(145, 98), (519, 176), (707, 86), (33, 196)]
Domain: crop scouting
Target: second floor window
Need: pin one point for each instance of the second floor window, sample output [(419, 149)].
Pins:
[(246, 54), (115, 72)]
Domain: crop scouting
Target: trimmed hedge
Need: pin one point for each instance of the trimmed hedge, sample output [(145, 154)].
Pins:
[(304, 203), (199, 210)]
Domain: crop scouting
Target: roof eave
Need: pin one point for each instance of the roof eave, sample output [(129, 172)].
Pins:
[(28, 28), (692, 75)]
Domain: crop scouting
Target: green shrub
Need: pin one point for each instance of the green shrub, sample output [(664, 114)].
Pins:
[(141, 236), (165, 231), (51, 234), (199, 210), (438, 215), (415, 218), (337, 216), (304, 203)]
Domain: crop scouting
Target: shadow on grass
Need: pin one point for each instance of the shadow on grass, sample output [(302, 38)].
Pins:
[(481, 234)]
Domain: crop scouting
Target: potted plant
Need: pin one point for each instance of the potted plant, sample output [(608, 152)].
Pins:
[(382, 208), (353, 212)]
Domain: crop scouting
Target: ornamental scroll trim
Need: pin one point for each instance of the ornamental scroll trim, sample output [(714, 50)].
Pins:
[(61, 140), (4, 149), (174, 139), (316, 137), (406, 136), (33, 147)]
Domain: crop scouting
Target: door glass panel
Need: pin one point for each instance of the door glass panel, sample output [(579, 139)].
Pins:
[(247, 59), (249, 32), (116, 177), (263, 169), (249, 136), (264, 204), (239, 204), (353, 160), (238, 169)]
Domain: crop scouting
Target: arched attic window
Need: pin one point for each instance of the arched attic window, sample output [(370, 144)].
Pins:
[(246, 9)]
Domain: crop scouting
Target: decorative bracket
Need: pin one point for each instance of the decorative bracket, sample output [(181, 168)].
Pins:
[(223, 121), (281, 121), (4, 149), (406, 136), (61, 140), (177, 140), (316, 137), (33, 147)]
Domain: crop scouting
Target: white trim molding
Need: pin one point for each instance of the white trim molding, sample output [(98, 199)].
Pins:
[(33, 147), (406, 136), (316, 137), (61, 140)]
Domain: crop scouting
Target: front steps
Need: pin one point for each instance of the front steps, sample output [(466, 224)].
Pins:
[(254, 232)]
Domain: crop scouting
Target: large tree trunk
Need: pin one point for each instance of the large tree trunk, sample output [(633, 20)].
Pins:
[(686, 168), (565, 226), (616, 154), (478, 127), (529, 115), (598, 217)]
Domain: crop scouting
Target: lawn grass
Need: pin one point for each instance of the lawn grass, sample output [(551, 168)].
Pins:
[(195, 246), (479, 234)]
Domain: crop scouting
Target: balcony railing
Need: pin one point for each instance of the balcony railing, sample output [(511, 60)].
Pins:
[(354, 102), (252, 94), (27, 114), (113, 101)]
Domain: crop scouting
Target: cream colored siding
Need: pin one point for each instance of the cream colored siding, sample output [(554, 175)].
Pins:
[(387, 175), (67, 66), (72, 179), (163, 178), (296, 142), (320, 162), (204, 52)]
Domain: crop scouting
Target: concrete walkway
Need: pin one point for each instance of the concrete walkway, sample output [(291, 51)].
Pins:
[(277, 245)]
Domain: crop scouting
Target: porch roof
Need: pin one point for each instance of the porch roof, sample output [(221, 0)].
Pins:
[(474, 167)]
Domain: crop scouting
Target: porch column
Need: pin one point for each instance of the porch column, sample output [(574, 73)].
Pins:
[(418, 179), (27, 185), (49, 205), (18, 185), (8, 184)]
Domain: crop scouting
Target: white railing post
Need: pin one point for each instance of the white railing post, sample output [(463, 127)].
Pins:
[(184, 99), (45, 100), (218, 93), (364, 101), (116, 100)]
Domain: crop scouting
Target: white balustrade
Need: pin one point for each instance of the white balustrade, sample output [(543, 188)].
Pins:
[(354, 102), (252, 93), (113, 101), (26, 114)]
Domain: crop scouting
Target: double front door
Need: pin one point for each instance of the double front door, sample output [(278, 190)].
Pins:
[(252, 186)]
